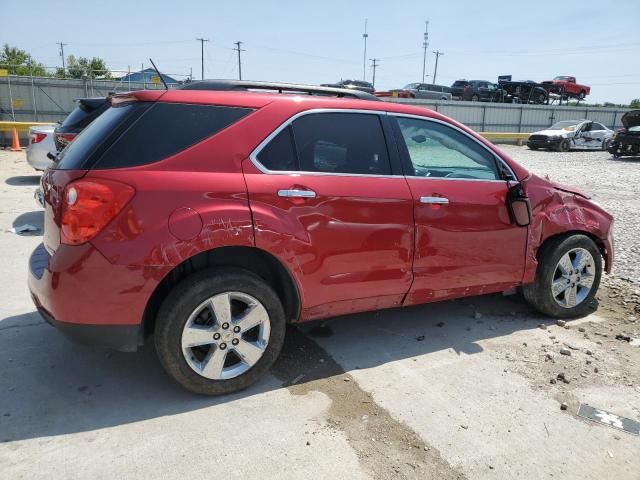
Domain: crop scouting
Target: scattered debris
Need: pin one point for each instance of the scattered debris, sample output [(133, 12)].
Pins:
[(347, 379), (565, 351), (564, 406), (581, 329), (542, 326), (623, 337), (466, 427), (420, 338), (561, 376), (561, 323), (610, 419)]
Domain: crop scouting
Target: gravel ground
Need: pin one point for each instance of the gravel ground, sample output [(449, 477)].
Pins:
[(615, 184)]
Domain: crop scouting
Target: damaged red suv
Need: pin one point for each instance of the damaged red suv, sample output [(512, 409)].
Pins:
[(207, 218)]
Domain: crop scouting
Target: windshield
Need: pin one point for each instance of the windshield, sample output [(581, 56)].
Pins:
[(411, 86), (563, 78), (565, 125)]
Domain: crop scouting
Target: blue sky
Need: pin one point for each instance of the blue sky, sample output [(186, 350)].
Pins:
[(319, 42)]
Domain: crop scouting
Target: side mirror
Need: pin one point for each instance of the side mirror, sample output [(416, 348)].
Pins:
[(519, 206)]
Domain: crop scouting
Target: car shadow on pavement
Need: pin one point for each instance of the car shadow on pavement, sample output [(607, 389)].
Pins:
[(35, 219), (22, 180), (52, 387)]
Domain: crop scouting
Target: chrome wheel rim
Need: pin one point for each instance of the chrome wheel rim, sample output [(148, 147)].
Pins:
[(573, 278), (226, 335)]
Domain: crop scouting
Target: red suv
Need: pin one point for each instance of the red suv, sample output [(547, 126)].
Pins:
[(214, 215)]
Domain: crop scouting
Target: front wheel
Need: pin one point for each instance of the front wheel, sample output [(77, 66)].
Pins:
[(219, 331), (564, 145), (567, 277)]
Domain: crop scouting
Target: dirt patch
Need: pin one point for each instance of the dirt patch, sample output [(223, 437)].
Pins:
[(386, 447), (564, 356)]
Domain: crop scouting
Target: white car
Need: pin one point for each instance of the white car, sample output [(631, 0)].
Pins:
[(41, 142), (572, 135)]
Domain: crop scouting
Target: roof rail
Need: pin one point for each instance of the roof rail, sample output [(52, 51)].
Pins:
[(243, 85)]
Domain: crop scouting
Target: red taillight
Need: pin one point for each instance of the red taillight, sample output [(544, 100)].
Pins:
[(65, 138), (36, 137), (89, 205)]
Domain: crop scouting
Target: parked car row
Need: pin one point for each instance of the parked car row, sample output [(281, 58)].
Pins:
[(505, 91)]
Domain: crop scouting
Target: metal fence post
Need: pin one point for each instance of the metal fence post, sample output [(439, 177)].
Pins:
[(484, 115), (13, 114), (33, 95), (613, 122), (520, 122)]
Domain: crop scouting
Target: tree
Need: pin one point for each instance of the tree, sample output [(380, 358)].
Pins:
[(82, 66), (635, 103), (19, 62)]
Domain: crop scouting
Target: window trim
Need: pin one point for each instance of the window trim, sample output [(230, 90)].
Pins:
[(253, 156), (499, 161)]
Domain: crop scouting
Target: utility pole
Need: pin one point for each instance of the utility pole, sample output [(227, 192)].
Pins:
[(238, 43), (202, 40), (62, 45), (375, 62), (425, 45), (364, 57), (435, 71)]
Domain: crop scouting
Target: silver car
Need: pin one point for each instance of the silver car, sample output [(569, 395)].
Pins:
[(428, 90), (40, 144)]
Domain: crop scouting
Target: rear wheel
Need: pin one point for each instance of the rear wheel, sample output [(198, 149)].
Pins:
[(567, 277), (219, 331), (582, 95)]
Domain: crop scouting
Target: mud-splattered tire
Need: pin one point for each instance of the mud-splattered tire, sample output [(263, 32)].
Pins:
[(207, 316), (567, 277)]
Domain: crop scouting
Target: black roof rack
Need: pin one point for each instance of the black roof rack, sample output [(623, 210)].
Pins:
[(243, 85)]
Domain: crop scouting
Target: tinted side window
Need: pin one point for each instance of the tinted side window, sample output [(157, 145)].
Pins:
[(341, 143), (280, 153), (82, 152), (597, 126), (436, 150), (166, 129)]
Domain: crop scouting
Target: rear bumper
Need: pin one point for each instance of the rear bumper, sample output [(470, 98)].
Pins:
[(124, 338), (89, 299)]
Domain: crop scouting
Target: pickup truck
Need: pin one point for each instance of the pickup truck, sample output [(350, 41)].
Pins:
[(571, 87)]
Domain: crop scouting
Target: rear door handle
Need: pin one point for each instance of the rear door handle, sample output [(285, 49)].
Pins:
[(296, 193), (434, 200)]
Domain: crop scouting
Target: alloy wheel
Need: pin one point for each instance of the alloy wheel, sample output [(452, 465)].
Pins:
[(226, 335), (573, 278)]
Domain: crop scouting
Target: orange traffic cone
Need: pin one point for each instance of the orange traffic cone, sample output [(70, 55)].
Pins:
[(15, 142)]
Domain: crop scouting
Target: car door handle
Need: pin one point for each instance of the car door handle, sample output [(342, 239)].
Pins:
[(434, 200), (296, 193)]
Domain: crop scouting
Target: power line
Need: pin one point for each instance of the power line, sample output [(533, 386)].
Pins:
[(238, 44), (365, 35), (374, 64), (425, 45), (202, 40), (62, 45), (435, 70)]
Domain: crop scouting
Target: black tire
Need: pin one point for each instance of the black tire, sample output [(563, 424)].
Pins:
[(475, 98), (582, 95), (564, 145), (185, 298), (533, 148), (539, 293)]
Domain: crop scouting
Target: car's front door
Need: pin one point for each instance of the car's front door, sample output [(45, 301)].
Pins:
[(466, 243), (329, 200)]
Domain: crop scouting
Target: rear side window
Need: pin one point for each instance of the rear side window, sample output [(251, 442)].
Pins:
[(341, 143), (280, 154), (348, 143), (166, 129), (86, 146)]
